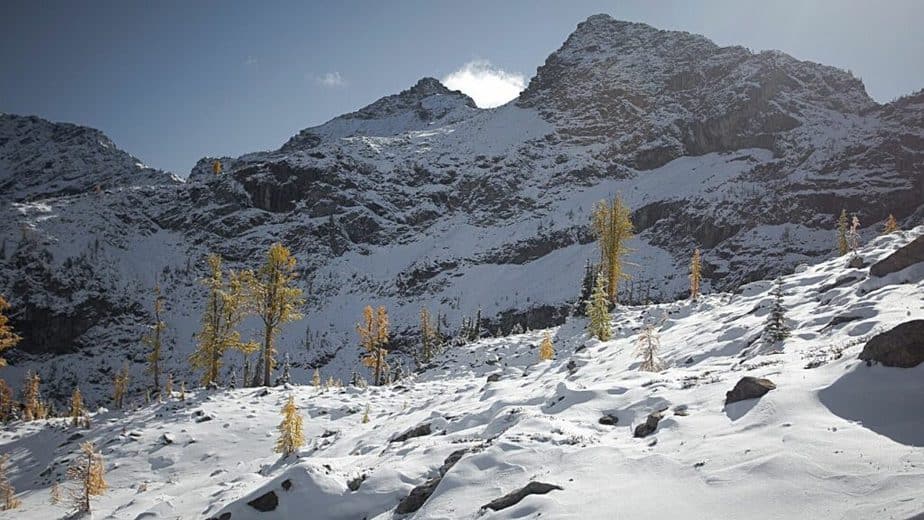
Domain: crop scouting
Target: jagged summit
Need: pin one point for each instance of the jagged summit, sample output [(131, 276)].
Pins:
[(426, 103), (423, 200), (39, 158), (618, 84)]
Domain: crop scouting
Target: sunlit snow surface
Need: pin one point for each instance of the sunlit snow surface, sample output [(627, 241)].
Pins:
[(842, 440)]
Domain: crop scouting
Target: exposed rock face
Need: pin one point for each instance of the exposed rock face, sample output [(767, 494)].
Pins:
[(905, 256), (39, 159), (749, 388), (649, 426), (422, 200), (420, 494), (902, 346), (513, 498), (264, 503), (417, 431)]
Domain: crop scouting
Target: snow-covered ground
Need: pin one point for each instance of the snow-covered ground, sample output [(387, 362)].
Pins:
[(835, 439)]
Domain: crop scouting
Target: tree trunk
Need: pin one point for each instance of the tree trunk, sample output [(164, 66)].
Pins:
[(267, 355), (378, 366)]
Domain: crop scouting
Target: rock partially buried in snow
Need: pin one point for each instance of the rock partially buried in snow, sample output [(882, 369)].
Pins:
[(903, 257), (902, 346), (511, 499), (649, 426), (264, 503), (417, 431), (608, 420), (749, 388), (420, 494)]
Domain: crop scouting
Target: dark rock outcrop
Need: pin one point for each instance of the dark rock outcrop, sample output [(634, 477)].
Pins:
[(266, 502), (417, 431), (649, 426), (420, 494), (513, 498), (749, 388), (902, 346), (905, 256)]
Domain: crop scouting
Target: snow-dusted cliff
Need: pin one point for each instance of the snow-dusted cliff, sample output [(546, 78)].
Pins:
[(423, 200)]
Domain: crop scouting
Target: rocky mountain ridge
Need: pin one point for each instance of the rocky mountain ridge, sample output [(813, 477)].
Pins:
[(423, 200)]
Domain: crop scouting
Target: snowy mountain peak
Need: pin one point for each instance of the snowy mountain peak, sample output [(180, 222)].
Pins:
[(39, 158), (425, 104)]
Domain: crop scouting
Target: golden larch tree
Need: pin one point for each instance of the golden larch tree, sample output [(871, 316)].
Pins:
[(55, 497), (276, 299), (88, 471), (428, 339), (291, 433), (612, 227), (891, 225), (598, 310), (842, 226), (76, 407), (7, 403), (120, 387), (373, 336), (696, 274), (8, 498), (225, 308), (316, 378), (31, 397), (154, 339), (8, 338), (546, 348)]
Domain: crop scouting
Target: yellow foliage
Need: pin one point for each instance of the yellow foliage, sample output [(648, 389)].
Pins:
[(891, 225), (76, 407), (89, 472), (8, 498), (373, 335), (696, 276), (275, 299), (612, 227), (8, 338), (291, 433), (546, 349)]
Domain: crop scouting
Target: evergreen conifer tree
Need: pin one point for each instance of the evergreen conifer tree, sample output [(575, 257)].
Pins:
[(776, 329)]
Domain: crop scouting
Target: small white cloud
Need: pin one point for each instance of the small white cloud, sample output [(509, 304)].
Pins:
[(250, 61), (488, 85), (331, 80)]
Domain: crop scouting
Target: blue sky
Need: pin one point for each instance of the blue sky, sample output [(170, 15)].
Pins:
[(173, 81)]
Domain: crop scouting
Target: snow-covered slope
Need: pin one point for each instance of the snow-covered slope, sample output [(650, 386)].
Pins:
[(39, 158), (420, 199), (837, 438)]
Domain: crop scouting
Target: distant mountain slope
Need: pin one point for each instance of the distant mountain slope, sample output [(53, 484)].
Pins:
[(39, 159), (423, 200), (835, 439)]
